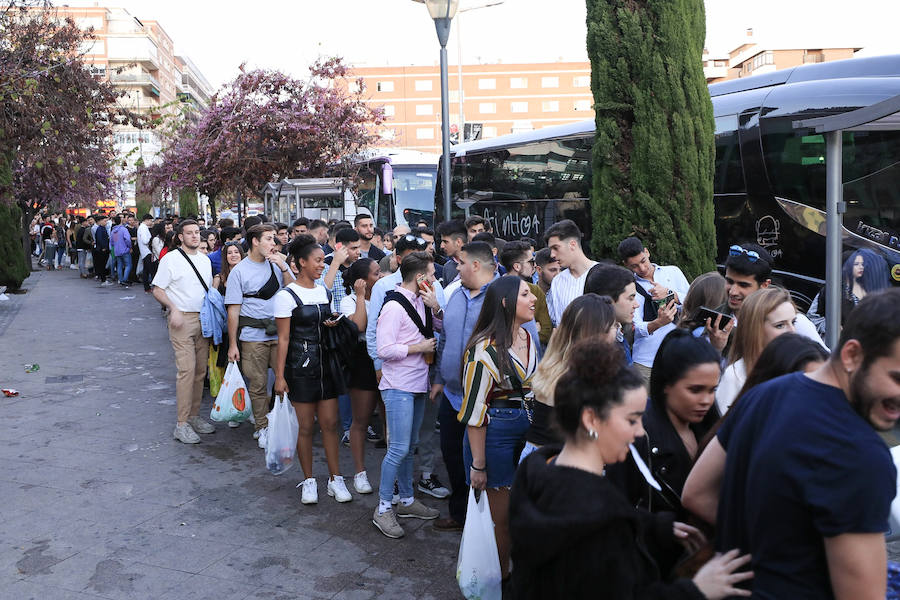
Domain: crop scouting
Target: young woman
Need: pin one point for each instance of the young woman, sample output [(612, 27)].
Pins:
[(864, 272), (218, 359), (587, 316), (708, 290), (303, 370), (574, 535), (362, 383), (212, 239), (681, 410), (171, 242), (498, 364), (766, 314), (234, 253)]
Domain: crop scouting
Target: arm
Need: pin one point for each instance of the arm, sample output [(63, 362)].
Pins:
[(477, 436), (176, 319), (542, 316), (284, 335), (375, 303), (234, 311), (701, 489), (857, 566)]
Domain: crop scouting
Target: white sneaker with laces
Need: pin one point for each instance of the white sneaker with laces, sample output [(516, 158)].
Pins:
[(309, 491), (185, 434), (361, 483), (338, 489), (201, 425), (263, 437), (234, 424)]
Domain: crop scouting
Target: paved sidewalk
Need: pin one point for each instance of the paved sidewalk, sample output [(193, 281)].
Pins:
[(98, 501)]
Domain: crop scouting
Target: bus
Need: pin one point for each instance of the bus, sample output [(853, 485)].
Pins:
[(397, 186), (769, 184)]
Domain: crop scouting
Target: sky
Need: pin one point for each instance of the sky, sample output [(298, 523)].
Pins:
[(288, 35)]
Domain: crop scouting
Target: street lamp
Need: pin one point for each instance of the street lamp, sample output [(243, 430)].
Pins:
[(442, 12)]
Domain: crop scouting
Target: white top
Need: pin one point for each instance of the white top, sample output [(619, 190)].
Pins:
[(733, 379), (348, 305), (285, 303), (156, 245), (143, 239), (563, 290), (645, 343), (179, 281), (803, 326)]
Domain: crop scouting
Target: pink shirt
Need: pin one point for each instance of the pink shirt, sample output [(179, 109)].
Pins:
[(394, 334)]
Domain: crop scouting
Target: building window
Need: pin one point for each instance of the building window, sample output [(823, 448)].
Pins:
[(549, 82), (385, 86), (582, 81), (424, 109), (489, 132), (423, 85), (518, 83), (425, 133), (550, 106), (389, 110), (582, 105), (518, 107), (487, 84), (487, 107)]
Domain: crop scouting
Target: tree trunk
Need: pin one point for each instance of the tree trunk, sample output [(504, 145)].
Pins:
[(654, 150), (212, 210)]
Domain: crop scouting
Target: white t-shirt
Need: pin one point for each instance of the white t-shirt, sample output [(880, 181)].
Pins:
[(348, 305), (143, 236), (285, 303), (733, 379), (181, 284)]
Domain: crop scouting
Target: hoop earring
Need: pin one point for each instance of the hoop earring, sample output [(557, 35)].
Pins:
[(593, 435)]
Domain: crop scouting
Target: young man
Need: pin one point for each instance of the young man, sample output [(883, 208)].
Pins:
[(282, 237), (547, 268), (319, 230), (83, 244), (518, 259), (249, 300), (365, 227), (299, 226), (427, 234), (475, 225), (564, 241), (405, 334), (748, 268), (453, 237), (798, 477), (346, 252), (101, 250), (653, 319), (121, 241), (619, 285), (145, 253), (182, 279)]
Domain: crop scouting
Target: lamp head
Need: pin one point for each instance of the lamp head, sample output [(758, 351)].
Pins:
[(441, 9)]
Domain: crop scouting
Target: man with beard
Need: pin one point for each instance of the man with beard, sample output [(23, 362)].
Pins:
[(806, 483), (365, 227)]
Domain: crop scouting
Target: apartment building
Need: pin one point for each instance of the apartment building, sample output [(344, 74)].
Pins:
[(754, 57), (494, 99)]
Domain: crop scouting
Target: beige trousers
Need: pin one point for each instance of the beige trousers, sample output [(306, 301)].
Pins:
[(191, 353), (644, 371), (256, 358)]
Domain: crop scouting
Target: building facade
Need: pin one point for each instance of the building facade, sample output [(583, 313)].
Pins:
[(496, 99)]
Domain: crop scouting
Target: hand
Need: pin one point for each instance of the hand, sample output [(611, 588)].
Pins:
[(281, 387), (277, 259), (436, 389), (430, 299), (690, 537), (666, 314), (718, 338), (332, 321), (716, 579), (176, 318), (378, 376), (479, 479), (658, 292), (340, 255), (424, 346), (234, 355), (359, 288)]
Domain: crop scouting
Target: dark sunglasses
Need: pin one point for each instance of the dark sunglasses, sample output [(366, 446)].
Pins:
[(751, 255)]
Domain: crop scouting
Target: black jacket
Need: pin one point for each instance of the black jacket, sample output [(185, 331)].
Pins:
[(574, 535)]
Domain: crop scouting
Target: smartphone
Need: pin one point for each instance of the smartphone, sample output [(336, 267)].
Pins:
[(335, 318), (665, 301), (707, 313), (338, 245), (423, 283)]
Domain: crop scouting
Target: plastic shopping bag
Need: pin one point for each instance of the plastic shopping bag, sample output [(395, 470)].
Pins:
[(216, 373), (281, 440), (478, 567), (232, 402)]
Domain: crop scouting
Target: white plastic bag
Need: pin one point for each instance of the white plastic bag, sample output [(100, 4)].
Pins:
[(281, 438), (478, 567), (232, 402)]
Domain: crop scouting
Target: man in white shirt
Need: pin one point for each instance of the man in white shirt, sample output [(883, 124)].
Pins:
[(180, 285), (661, 290), (143, 240), (564, 241)]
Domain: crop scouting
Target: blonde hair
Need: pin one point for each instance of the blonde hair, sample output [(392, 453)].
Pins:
[(749, 336), (587, 316)]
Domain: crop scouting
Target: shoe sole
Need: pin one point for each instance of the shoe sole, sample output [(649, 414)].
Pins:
[(186, 442), (385, 533), (359, 491), (333, 495), (432, 493), (447, 529), (401, 516), (302, 501)]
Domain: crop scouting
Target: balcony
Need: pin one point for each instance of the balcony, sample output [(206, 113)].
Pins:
[(140, 50), (142, 79)]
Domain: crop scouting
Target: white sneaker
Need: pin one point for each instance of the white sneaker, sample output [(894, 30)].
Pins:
[(263, 437), (200, 425), (338, 489), (256, 434), (309, 491), (234, 424), (361, 483), (185, 434), (106, 283)]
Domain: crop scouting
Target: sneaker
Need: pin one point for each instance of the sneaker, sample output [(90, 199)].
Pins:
[(387, 524), (432, 486), (200, 425), (448, 524), (234, 424), (437, 425), (395, 499), (345, 438), (263, 437), (106, 283), (338, 489), (185, 434), (361, 483), (417, 510), (256, 434), (372, 435), (309, 491)]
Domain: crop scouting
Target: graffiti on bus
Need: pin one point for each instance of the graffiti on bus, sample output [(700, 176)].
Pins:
[(512, 224)]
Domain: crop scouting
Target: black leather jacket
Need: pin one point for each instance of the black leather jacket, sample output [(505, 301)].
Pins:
[(312, 373)]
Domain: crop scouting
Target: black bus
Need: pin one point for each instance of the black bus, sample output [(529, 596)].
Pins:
[(769, 177)]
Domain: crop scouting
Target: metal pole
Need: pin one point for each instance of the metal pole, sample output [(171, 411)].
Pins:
[(834, 203), (459, 78), (445, 128)]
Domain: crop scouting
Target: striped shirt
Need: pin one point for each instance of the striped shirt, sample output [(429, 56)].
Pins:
[(482, 380), (565, 288)]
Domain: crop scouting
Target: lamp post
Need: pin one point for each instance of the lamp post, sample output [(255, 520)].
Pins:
[(442, 12)]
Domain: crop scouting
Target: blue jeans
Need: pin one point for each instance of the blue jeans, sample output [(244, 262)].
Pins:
[(345, 411), (123, 265), (504, 440), (404, 412)]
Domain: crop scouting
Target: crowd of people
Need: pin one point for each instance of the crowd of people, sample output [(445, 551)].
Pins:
[(637, 435)]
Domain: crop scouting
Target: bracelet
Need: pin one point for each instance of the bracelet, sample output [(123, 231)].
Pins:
[(284, 270), (474, 468)]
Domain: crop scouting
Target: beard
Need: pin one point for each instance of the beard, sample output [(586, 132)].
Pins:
[(864, 400)]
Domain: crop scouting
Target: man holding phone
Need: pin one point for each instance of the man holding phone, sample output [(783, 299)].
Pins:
[(660, 292), (346, 252)]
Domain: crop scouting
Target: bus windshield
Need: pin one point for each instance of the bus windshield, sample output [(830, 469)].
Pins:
[(414, 192)]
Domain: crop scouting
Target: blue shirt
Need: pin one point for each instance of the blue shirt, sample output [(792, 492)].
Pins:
[(215, 258), (801, 466)]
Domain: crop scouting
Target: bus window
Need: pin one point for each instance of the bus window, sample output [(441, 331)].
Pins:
[(729, 177), (368, 190), (414, 193)]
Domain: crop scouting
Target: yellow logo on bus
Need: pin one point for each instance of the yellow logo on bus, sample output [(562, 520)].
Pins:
[(895, 272)]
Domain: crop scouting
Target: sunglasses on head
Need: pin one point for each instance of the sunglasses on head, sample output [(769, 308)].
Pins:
[(411, 238), (232, 243), (751, 255)]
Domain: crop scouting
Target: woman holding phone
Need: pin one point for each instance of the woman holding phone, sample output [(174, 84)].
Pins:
[(303, 371)]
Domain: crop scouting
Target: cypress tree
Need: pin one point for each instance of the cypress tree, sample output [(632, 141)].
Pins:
[(654, 152), (187, 202), (14, 267)]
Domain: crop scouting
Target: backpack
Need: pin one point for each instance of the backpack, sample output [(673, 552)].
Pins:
[(88, 237)]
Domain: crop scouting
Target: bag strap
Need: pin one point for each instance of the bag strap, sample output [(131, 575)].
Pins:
[(651, 312), (194, 267), (296, 297), (426, 329)]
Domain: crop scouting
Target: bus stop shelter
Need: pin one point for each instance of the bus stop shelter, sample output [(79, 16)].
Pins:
[(314, 198), (881, 116)]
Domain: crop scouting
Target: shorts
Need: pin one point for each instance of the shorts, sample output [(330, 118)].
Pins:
[(503, 443), (361, 373)]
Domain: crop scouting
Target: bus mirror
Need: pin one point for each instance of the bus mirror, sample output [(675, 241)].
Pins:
[(387, 179)]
